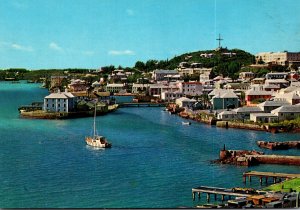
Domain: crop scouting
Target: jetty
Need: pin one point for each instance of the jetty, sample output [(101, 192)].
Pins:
[(276, 176), (279, 145), (141, 104), (217, 191)]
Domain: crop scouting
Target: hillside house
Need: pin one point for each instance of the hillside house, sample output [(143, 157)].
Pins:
[(159, 74), (252, 96), (191, 88)]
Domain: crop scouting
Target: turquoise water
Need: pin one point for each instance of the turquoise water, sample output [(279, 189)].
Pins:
[(155, 161)]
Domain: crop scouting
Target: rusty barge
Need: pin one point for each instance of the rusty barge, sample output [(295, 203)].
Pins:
[(278, 145)]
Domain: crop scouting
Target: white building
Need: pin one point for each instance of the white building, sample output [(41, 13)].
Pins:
[(159, 74), (60, 102), (185, 102), (139, 88), (280, 58), (171, 96), (191, 88), (115, 88), (287, 112)]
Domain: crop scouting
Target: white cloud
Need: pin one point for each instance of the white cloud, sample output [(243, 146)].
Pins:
[(130, 12), (20, 47), (121, 52), (89, 53), (55, 46)]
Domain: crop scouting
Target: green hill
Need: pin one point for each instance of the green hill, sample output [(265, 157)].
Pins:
[(223, 61)]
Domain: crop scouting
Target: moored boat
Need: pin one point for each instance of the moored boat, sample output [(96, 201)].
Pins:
[(96, 140)]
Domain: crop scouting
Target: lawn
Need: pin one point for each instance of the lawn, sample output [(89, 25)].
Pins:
[(285, 186)]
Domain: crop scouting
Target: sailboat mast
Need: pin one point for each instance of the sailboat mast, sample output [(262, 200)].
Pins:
[(95, 121)]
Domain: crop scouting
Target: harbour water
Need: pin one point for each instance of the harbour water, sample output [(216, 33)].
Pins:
[(155, 161)]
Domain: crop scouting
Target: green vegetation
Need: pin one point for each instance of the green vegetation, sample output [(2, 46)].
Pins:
[(226, 62), (221, 63), (285, 186), (287, 125)]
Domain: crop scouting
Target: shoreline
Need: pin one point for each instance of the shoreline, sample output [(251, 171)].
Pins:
[(203, 117), (40, 114)]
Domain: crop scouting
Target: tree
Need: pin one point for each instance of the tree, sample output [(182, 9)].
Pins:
[(140, 66), (151, 65)]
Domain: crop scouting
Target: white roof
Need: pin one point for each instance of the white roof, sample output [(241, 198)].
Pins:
[(263, 114), (115, 85), (287, 109), (62, 95), (185, 99)]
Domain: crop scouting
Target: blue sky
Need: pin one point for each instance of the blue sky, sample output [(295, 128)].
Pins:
[(38, 34)]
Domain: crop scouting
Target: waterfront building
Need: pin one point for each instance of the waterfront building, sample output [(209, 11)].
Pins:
[(279, 58), (185, 102), (159, 74), (224, 99), (171, 96), (263, 117), (60, 102), (115, 88), (139, 88), (191, 88), (287, 112), (245, 111), (268, 106), (227, 115), (157, 89)]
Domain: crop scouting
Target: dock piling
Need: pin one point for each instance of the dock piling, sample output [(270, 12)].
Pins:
[(199, 195), (208, 197), (193, 196)]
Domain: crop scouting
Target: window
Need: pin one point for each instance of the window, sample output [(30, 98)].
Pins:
[(58, 105), (52, 105)]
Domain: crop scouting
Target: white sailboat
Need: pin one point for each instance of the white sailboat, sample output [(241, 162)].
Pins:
[(96, 140)]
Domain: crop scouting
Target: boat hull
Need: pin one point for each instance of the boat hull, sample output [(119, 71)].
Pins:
[(97, 142)]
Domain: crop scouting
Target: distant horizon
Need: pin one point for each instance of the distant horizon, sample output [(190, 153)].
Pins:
[(91, 34)]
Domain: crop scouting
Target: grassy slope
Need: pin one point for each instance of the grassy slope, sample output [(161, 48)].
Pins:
[(293, 184)]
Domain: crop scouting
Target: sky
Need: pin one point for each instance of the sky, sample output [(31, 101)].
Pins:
[(44, 34)]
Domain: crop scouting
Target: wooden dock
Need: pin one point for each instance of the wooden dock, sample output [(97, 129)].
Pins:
[(142, 104), (216, 191), (276, 176)]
